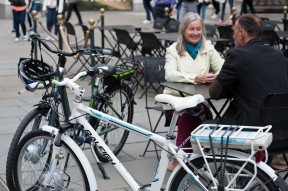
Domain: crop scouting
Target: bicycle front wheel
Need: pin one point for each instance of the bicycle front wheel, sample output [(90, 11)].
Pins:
[(120, 105), (183, 181), (32, 121), (33, 163)]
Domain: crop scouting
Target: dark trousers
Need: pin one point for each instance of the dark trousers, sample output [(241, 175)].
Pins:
[(51, 17), (148, 8), (244, 6), (74, 6), (216, 6), (19, 19)]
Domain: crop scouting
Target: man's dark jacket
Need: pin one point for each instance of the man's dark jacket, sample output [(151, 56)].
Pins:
[(249, 74)]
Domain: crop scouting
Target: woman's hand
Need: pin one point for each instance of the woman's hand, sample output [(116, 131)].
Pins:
[(205, 78)]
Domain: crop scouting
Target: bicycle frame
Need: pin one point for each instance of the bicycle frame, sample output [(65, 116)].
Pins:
[(78, 116)]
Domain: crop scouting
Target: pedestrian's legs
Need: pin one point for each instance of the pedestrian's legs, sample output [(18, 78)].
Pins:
[(223, 11), (75, 8), (243, 7), (16, 23), (22, 17), (49, 19), (70, 7), (148, 8), (250, 4)]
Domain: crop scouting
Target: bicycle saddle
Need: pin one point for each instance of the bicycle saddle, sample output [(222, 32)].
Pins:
[(180, 103)]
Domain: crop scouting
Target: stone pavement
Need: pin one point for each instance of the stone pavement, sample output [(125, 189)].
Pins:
[(13, 107)]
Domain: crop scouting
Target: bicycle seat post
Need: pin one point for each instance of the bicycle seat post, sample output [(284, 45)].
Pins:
[(170, 134)]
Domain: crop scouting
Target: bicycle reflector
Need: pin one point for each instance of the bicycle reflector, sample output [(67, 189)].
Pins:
[(260, 155)]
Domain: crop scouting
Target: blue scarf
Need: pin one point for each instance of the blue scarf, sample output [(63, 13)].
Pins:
[(192, 50)]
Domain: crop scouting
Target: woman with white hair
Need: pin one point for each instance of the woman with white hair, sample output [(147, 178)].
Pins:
[(192, 59)]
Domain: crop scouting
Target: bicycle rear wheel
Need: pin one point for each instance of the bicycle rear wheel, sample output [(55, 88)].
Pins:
[(121, 106), (184, 181), (33, 162)]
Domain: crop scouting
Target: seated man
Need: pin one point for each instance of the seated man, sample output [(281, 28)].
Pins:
[(251, 70)]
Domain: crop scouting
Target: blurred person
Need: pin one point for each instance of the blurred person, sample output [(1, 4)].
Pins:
[(160, 5), (148, 8), (184, 6), (73, 5), (192, 59), (19, 15), (231, 3), (216, 6), (244, 7)]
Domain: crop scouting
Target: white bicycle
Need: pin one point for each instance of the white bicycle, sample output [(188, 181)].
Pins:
[(223, 158)]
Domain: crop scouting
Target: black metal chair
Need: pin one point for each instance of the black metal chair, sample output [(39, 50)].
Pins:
[(159, 23), (210, 30), (151, 45), (127, 49), (269, 25), (74, 45), (275, 112), (226, 32), (271, 38), (172, 25), (154, 74)]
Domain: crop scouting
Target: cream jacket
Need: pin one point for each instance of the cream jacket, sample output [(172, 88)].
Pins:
[(185, 68)]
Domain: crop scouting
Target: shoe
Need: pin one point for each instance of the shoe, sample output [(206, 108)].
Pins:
[(220, 21), (48, 38), (278, 162), (12, 31), (16, 39), (172, 164), (146, 22), (25, 37), (214, 16)]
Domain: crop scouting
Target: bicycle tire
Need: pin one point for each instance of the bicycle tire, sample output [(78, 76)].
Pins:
[(182, 179), (33, 158), (33, 120), (115, 139)]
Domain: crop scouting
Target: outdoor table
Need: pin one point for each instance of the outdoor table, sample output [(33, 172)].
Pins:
[(193, 89)]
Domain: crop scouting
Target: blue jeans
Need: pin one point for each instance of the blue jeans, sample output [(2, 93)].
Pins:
[(19, 19), (231, 2), (52, 20), (148, 9)]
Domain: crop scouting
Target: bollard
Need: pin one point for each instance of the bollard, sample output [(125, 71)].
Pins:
[(92, 46), (102, 11), (285, 18), (34, 13), (60, 22), (166, 10), (233, 15)]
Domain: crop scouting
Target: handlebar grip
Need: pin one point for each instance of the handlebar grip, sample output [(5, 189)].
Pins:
[(36, 85)]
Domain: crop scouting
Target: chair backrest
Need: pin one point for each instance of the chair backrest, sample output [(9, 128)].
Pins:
[(225, 31), (151, 45), (269, 25), (210, 30), (172, 26), (154, 70), (271, 38), (71, 35), (159, 23), (123, 37), (84, 29), (274, 112)]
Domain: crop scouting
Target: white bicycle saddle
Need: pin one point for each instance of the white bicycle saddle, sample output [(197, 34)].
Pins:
[(180, 103)]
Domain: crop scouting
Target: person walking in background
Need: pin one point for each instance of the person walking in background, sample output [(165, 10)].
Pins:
[(201, 8), (184, 6), (231, 3), (192, 59), (159, 6), (73, 5), (34, 5), (244, 7), (216, 6), (19, 15), (148, 8), (51, 9)]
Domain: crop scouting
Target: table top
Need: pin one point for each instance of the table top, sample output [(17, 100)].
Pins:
[(188, 88), (173, 37)]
